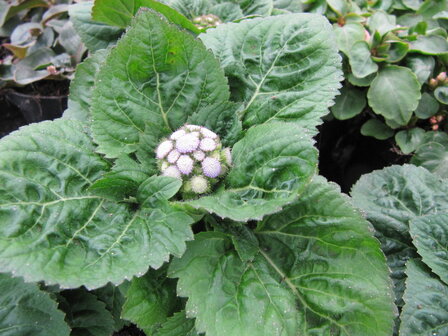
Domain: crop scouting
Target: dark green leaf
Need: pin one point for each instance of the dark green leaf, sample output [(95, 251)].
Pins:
[(157, 188), (433, 153), (377, 129), (409, 140), (363, 82), (430, 45), (26, 310), (360, 60), (284, 67), (349, 103), (177, 325), (271, 165), (394, 94), (425, 311), (441, 94), (347, 35), (113, 298), (422, 66), (427, 106)]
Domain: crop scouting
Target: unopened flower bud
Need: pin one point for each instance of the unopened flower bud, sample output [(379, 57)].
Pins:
[(433, 83), (441, 77)]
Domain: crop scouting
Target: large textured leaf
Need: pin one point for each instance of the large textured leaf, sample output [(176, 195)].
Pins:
[(150, 300), (52, 229), (426, 308), (177, 325), (26, 310), (81, 87), (271, 164), (284, 67), (120, 12), (391, 198), (155, 76), (86, 315), (308, 278), (95, 35), (430, 236)]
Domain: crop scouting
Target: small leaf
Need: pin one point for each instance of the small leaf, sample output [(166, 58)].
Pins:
[(422, 66), (347, 35), (433, 153), (349, 103), (430, 45), (394, 94), (271, 165), (26, 310), (427, 106), (381, 22), (360, 60), (150, 300), (397, 51), (294, 78), (177, 325), (409, 140), (86, 315), (362, 82), (430, 236), (120, 13), (95, 35), (157, 188), (377, 129), (441, 94), (425, 311), (24, 71)]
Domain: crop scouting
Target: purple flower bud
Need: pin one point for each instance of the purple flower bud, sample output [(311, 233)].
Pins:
[(187, 143), (176, 135), (163, 149), (207, 145), (172, 171), (199, 184), (228, 156), (173, 156), (211, 167), (185, 164), (208, 134), (192, 127), (199, 155)]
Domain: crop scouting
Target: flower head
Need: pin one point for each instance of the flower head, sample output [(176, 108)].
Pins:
[(195, 155)]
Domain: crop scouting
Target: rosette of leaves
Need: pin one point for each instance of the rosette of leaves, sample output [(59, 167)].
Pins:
[(275, 250), (408, 207), (42, 42)]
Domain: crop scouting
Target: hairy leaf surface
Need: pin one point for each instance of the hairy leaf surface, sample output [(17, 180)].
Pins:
[(283, 67), (271, 164), (26, 310), (308, 277), (156, 78), (52, 229)]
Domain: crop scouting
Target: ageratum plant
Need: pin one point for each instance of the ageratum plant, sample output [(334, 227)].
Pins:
[(185, 172)]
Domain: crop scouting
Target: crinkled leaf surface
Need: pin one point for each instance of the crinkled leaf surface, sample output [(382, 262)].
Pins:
[(391, 198), (433, 153), (81, 87), (177, 325), (426, 308), (94, 35), (394, 94), (156, 76), (271, 164), (150, 300), (86, 315), (284, 67), (52, 229), (308, 278), (430, 236), (26, 310)]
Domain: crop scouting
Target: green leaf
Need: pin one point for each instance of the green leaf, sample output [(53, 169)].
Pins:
[(157, 188), (113, 298), (305, 279), (340, 7), (52, 229), (425, 311), (362, 82), (177, 325), (271, 165), (95, 35), (430, 45), (347, 35), (377, 129), (391, 198), (120, 13), (422, 66), (433, 153), (430, 236), (24, 71), (86, 315), (381, 22), (441, 94), (360, 60), (81, 86), (292, 6), (427, 106), (26, 310), (409, 140), (394, 94), (284, 67), (349, 103), (412, 4), (71, 41), (150, 300), (157, 79), (397, 51)]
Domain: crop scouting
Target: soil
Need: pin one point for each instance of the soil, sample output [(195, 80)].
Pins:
[(10, 117), (48, 88), (129, 331)]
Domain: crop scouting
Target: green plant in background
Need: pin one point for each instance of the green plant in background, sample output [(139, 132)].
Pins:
[(271, 248), (408, 207), (41, 40)]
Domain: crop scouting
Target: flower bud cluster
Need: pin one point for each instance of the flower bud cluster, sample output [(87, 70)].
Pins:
[(207, 21), (195, 155), (440, 80)]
